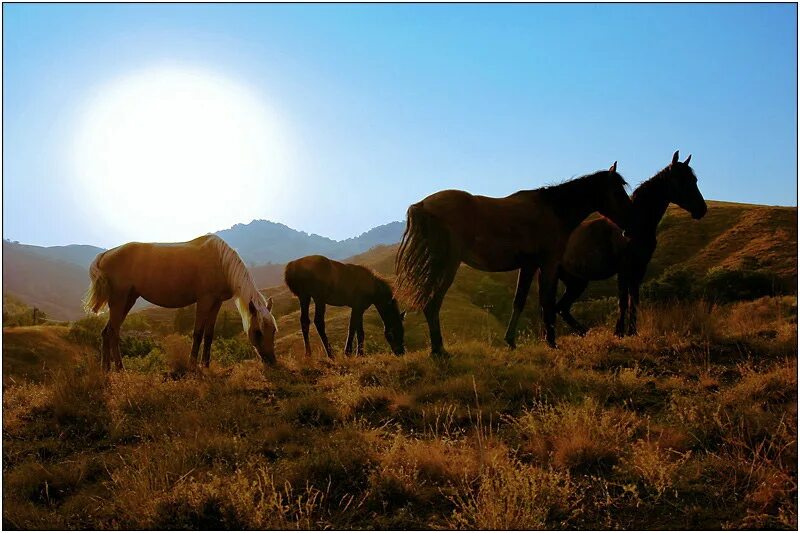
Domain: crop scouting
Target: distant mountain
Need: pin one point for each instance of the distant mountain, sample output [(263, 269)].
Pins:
[(76, 254), (732, 235), (262, 241), (38, 279), (55, 278)]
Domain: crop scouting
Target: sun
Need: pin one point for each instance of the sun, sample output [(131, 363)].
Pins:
[(167, 154)]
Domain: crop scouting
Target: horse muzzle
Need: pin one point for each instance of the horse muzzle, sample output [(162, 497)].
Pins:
[(697, 214)]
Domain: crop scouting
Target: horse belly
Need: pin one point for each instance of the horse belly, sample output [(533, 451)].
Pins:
[(172, 298)]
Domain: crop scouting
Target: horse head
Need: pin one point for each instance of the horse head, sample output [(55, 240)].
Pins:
[(393, 326), (683, 190), (262, 330)]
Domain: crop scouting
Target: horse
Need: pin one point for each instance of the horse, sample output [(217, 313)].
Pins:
[(527, 230), (205, 271), (340, 284), (597, 249)]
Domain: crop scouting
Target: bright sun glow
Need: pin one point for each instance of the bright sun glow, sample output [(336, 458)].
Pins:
[(169, 154)]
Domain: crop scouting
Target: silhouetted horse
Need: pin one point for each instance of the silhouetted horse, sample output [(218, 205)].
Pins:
[(527, 231), (205, 271), (331, 282), (597, 249)]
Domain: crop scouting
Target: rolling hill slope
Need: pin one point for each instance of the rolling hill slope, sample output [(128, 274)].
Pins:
[(731, 235)]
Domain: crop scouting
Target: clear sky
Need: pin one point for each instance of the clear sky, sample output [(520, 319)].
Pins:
[(365, 109)]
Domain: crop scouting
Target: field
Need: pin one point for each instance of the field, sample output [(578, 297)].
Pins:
[(692, 424)]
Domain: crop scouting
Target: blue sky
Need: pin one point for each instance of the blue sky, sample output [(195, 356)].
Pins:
[(385, 104)]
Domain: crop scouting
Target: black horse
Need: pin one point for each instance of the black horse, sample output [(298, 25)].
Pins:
[(527, 231), (597, 249)]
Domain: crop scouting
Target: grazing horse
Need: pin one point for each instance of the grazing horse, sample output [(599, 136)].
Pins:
[(597, 249), (205, 271), (340, 284), (527, 231)]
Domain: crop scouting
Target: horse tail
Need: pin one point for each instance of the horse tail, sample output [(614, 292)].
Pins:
[(422, 257), (290, 278), (99, 289)]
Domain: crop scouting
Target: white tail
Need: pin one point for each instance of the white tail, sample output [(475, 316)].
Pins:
[(98, 293)]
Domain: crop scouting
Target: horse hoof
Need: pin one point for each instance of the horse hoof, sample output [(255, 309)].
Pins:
[(440, 354)]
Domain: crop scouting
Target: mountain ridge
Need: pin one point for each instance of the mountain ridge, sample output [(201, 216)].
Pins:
[(730, 235)]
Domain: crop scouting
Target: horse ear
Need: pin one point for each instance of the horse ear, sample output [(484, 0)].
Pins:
[(251, 307), (613, 167), (675, 157), (688, 159), (269, 304)]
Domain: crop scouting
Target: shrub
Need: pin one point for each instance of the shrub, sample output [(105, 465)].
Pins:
[(728, 285), (514, 496), (675, 284), (136, 345), (87, 331), (231, 351)]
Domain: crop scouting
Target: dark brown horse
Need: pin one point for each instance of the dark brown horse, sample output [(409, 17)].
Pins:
[(597, 249), (325, 281), (527, 231)]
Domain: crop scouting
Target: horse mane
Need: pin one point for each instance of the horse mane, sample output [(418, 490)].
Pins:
[(384, 286), (240, 281), (576, 186), (651, 183)]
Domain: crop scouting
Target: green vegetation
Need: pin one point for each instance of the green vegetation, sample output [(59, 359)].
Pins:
[(692, 424)]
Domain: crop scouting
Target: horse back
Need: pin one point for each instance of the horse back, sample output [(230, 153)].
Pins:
[(167, 274), (595, 250), (498, 234)]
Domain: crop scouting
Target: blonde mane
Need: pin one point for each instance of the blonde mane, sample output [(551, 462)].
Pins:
[(241, 282)]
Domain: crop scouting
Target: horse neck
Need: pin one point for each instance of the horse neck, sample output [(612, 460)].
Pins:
[(382, 298), (244, 291), (650, 203), (579, 206)]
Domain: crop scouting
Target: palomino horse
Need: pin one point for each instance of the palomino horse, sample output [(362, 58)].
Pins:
[(527, 231), (205, 271), (597, 249), (331, 282)]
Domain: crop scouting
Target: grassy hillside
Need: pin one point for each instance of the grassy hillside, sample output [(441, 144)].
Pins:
[(691, 425), (31, 353), (732, 235), (56, 287)]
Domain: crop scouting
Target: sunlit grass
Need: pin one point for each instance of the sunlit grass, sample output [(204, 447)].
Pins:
[(685, 426)]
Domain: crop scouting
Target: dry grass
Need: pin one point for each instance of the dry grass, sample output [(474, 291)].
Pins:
[(689, 425)]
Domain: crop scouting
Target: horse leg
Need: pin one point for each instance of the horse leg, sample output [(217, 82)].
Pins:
[(208, 332), (634, 306), (360, 332), (622, 294), (523, 286), (351, 333), (319, 322), (432, 308), (119, 305), (573, 291), (548, 282), (201, 313), (305, 322)]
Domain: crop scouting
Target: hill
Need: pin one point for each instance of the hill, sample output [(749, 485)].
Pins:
[(30, 353), (691, 425), (731, 235), (80, 255), (55, 286), (55, 278)]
